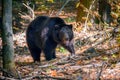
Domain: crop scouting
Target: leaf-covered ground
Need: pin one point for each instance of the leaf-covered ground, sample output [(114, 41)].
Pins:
[(93, 60), (97, 57)]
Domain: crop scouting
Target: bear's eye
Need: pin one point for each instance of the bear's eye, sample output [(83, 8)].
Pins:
[(67, 39)]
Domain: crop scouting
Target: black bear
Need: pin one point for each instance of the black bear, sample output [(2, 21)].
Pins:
[(45, 33)]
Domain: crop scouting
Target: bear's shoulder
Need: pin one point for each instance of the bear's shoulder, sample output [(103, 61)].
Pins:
[(57, 20)]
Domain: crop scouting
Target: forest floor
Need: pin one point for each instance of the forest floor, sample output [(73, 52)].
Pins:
[(89, 63), (92, 61), (96, 58)]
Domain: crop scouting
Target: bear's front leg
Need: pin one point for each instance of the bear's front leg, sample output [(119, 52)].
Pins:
[(70, 48), (49, 50)]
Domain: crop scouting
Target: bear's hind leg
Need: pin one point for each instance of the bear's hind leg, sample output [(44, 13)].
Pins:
[(35, 53)]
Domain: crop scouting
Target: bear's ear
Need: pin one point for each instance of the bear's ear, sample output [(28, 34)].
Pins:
[(57, 27), (70, 26)]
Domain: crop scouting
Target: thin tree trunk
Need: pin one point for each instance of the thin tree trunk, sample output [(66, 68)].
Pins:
[(7, 37), (81, 9), (105, 11)]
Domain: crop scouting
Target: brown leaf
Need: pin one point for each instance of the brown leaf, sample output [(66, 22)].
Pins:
[(54, 73)]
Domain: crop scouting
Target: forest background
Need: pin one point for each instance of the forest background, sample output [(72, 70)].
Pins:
[(97, 40)]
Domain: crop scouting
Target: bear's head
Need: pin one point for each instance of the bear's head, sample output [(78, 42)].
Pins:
[(63, 34)]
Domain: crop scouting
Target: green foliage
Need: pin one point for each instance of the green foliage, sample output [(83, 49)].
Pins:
[(42, 7), (44, 4), (62, 50), (70, 19)]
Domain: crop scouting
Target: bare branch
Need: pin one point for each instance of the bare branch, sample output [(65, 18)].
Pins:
[(46, 77), (88, 16), (62, 7), (100, 72), (32, 11)]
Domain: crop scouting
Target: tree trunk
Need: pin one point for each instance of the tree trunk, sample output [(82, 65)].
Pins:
[(80, 10), (7, 37), (105, 11)]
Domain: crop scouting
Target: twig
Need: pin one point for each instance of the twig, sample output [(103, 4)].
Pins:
[(6, 78), (25, 16), (6, 72), (32, 11), (63, 59), (19, 76), (51, 13), (88, 16), (29, 16), (62, 7), (47, 77), (9, 75), (101, 69)]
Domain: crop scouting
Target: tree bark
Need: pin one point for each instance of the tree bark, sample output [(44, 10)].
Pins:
[(105, 11), (80, 10), (7, 37)]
